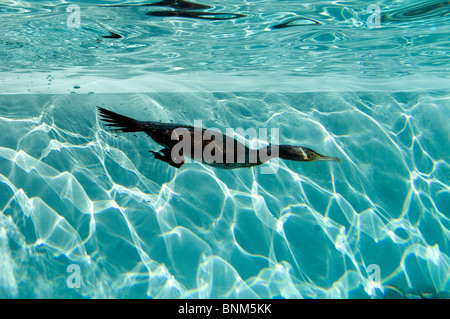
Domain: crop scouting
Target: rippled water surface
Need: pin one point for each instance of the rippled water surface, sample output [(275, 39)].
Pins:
[(90, 213)]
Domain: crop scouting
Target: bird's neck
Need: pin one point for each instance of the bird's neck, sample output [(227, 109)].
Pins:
[(266, 153)]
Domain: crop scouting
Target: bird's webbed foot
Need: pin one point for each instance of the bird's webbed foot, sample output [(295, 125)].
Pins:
[(166, 155)]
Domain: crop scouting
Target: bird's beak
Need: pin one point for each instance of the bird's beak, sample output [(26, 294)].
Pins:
[(327, 158)]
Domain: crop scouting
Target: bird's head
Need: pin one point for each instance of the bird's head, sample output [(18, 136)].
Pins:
[(302, 154)]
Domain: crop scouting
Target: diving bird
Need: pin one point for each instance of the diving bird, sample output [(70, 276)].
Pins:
[(204, 145)]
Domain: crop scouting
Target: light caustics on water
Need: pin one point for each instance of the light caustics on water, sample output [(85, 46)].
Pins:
[(74, 195)]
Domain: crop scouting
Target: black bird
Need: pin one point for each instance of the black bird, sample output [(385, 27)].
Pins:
[(207, 146)]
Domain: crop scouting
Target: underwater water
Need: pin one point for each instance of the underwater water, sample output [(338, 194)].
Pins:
[(90, 213)]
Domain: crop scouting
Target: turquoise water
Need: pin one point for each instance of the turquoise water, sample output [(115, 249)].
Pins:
[(86, 213)]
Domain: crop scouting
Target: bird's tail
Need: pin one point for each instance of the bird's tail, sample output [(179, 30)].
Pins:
[(119, 122)]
